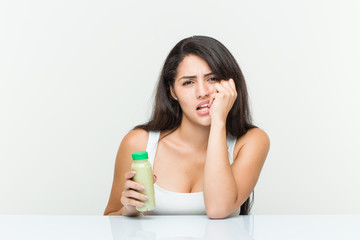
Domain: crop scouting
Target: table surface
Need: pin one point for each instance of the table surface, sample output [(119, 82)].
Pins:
[(180, 227)]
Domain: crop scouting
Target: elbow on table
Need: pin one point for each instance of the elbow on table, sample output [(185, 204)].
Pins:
[(217, 216), (217, 213)]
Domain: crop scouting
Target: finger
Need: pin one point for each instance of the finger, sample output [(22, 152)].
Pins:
[(221, 87), (212, 99), (129, 175), (229, 85), (135, 195), (229, 82), (129, 184), (232, 83), (127, 202), (232, 87), (212, 95)]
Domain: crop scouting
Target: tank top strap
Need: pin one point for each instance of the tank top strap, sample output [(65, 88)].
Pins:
[(152, 144), (230, 140)]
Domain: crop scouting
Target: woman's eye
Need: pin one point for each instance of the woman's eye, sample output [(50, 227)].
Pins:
[(213, 79), (187, 83)]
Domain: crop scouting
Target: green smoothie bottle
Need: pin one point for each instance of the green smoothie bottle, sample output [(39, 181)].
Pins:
[(144, 176)]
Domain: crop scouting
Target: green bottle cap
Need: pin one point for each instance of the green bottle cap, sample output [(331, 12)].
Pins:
[(140, 155)]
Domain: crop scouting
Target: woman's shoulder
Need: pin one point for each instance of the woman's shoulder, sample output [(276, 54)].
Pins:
[(256, 134), (254, 138), (136, 140)]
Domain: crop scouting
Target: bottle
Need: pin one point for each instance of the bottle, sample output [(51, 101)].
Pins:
[(144, 176)]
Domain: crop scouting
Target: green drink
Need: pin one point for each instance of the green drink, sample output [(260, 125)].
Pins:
[(144, 176)]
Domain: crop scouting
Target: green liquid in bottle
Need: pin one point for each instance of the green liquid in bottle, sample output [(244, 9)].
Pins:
[(144, 176)]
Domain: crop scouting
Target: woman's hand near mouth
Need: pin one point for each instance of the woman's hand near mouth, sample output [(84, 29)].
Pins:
[(222, 100)]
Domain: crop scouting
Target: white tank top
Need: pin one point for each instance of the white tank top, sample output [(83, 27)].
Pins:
[(173, 203)]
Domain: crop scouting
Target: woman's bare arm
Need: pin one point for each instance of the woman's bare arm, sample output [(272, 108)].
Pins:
[(135, 140), (227, 187)]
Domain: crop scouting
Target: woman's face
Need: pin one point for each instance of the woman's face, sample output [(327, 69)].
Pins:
[(193, 85)]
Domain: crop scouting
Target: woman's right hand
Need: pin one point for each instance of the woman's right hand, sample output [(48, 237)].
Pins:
[(131, 197)]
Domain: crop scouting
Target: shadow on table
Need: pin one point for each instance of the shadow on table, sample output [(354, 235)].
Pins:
[(181, 228)]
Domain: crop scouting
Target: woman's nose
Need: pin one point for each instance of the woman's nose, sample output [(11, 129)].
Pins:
[(203, 89)]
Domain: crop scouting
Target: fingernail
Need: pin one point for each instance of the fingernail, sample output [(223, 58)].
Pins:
[(147, 197), (143, 187), (133, 172)]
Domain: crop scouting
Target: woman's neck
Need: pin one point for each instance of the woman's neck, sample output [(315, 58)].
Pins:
[(193, 135)]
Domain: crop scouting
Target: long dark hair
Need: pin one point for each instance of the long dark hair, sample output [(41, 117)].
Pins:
[(167, 113)]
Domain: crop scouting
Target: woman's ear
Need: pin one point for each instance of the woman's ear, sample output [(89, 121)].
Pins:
[(172, 92)]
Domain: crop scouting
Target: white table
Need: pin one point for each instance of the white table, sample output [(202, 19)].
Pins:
[(180, 227)]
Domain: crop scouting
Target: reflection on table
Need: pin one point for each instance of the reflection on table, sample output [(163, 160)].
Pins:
[(181, 227)]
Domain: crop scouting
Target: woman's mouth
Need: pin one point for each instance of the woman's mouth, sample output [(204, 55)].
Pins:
[(203, 108)]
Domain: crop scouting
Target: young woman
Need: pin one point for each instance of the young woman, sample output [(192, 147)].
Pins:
[(206, 154)]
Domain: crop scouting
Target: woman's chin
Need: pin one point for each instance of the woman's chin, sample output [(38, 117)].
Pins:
[(206, 122)]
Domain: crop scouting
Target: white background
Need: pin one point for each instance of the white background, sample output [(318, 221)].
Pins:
[(76, 76)]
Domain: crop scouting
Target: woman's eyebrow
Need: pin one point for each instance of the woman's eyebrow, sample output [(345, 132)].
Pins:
[(190, 77)]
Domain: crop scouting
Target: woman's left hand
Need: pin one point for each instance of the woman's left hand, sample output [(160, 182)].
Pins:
[(222, 100)]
